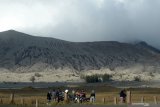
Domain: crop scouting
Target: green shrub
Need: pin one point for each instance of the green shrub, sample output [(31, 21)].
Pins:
[(97, 78), (37, 75), (92, 79), (137, 78), (106, 77)]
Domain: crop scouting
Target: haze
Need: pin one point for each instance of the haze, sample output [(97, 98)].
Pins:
[(84, 20)]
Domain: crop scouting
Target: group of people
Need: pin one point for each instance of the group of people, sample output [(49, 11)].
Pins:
[(78, 96), (55, 95)]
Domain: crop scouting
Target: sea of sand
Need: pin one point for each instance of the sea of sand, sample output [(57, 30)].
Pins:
[(120, 78)]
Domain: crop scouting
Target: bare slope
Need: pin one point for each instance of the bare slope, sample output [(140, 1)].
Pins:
[(22, 50)]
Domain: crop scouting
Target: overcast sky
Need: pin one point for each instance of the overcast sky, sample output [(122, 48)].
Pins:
[(84, 20)]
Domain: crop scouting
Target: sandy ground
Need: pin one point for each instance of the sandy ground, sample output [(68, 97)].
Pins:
[(70, 75), (39, 77), (127, 74)]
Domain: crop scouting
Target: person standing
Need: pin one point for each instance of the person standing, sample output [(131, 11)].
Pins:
[(77, 98), (57, 95), (53, 95), (122, 96), (92, 96), (49, 96), (66, 95), (73, 95)]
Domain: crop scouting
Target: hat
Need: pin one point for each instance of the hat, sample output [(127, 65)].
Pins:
[(66, 91)]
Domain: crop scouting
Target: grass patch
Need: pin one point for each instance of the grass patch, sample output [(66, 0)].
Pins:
[(103, 91)]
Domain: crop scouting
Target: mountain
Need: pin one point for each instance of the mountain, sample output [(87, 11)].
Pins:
[(20, 50)]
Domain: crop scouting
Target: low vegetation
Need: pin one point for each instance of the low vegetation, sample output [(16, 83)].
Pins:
[(32, 79), (97, 78), (30, 94), (37, 75), (137, 78)]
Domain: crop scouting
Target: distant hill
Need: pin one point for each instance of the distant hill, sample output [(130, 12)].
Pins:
[(19, 50)]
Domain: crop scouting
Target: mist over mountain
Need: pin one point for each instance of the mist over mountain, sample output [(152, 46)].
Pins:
[(23, 52)]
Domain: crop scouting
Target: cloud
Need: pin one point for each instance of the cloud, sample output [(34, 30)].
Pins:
[(84, 20)]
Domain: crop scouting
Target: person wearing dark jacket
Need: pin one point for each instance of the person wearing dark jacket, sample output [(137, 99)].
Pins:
[(92, 96), (49, 96), (122, 96)]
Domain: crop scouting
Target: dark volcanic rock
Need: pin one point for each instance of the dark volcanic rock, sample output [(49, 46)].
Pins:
[(22, 50)]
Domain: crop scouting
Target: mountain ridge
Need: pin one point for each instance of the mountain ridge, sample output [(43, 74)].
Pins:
[(23, 50)]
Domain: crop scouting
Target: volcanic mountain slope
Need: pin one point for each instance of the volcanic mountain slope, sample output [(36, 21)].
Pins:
[(19, 50)]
